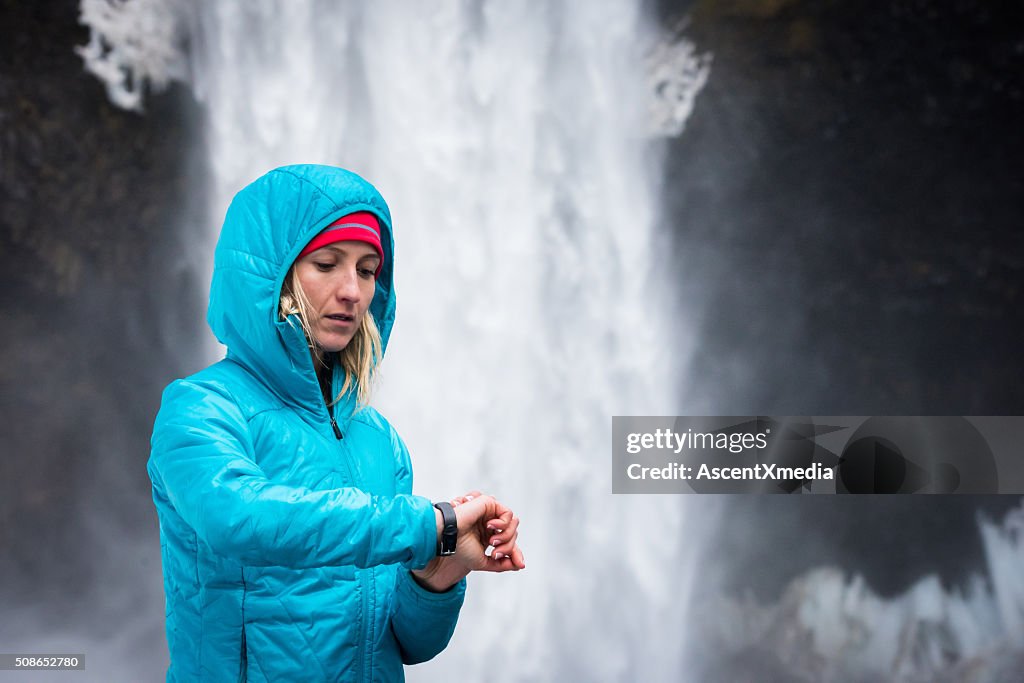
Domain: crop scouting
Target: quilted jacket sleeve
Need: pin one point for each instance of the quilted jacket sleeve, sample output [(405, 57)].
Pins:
[(201, 461), (423, 621)]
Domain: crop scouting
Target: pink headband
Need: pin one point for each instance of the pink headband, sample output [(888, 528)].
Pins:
[(361, 226)]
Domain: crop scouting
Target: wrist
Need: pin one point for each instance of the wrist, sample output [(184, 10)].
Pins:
[(440, 575)]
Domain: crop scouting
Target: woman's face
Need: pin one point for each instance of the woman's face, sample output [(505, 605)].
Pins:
[(338, 281)]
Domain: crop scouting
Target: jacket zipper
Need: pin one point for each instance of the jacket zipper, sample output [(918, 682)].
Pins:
[(367, 622), (365, 585), (330, 411)]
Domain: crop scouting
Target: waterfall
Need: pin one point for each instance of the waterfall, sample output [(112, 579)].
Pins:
[(512, 143)]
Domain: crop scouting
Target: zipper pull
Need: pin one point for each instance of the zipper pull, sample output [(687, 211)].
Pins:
[(337, 432)]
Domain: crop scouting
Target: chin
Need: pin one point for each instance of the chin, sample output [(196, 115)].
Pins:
[(334, 345)]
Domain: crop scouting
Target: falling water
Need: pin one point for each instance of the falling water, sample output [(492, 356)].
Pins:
[(511, 141)]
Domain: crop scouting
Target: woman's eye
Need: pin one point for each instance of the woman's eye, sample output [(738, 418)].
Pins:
[(324, 267), (366, 272)]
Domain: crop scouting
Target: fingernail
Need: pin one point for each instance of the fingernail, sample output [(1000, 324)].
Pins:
[(495, 540), (489, 550), (499, 556)]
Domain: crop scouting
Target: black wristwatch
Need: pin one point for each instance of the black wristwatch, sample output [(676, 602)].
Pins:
[(450, 530)]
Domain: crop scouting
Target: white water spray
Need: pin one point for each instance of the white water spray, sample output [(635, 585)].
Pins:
[(510, 141), (830, 627)]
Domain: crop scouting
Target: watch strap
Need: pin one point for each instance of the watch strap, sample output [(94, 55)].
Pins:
[(450, 529)]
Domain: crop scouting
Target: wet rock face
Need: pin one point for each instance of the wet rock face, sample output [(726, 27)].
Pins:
[(86, 187), (88, 198), (846, 194)]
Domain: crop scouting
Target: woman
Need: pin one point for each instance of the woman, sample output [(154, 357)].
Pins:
[(293, 548)]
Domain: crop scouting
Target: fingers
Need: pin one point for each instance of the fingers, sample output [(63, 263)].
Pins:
[(499, 549), (459, 500), (514, 561), (505, 554), (503, 536), (517, 559), (495, 526)]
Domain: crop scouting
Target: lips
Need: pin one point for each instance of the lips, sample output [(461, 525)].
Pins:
[(341, 317)]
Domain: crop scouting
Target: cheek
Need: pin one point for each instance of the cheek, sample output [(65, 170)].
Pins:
[(368, 290), (314, 288)]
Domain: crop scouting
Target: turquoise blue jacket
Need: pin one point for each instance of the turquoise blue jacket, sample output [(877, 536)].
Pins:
[(287, 543)]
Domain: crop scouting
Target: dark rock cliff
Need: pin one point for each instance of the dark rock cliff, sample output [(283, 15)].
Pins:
[(90, 201)]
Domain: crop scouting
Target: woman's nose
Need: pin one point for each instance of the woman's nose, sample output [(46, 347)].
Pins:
[(348, 285)]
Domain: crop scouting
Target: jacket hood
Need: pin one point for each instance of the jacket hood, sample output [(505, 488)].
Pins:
[(266, 226)]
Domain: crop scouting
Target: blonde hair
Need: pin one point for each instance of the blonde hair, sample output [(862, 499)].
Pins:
[(358, 359)]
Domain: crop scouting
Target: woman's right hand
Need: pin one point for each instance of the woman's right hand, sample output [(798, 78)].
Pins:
[(488, 532), (482, 522)]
